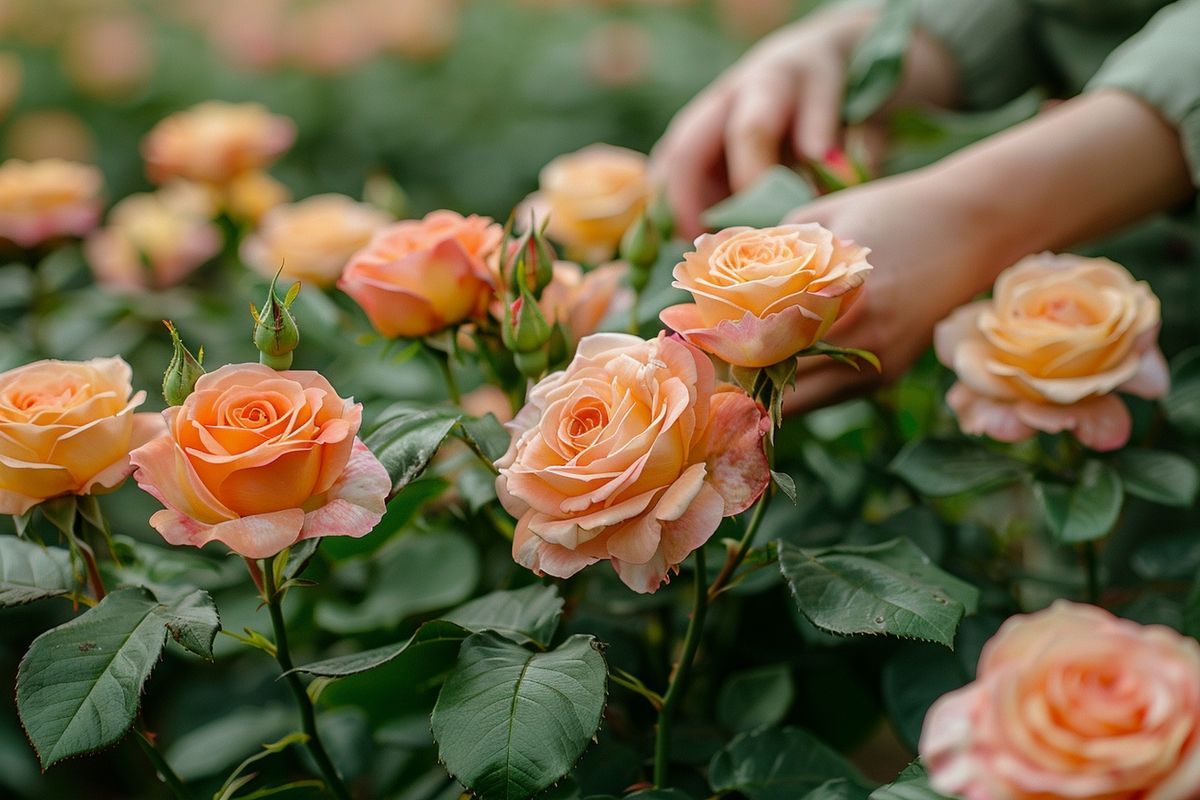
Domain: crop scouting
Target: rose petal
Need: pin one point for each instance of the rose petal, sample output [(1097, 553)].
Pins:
[(982, 416), (1153, 378), (751, 341), (356, 501), (737, 463), (1102, 423), (260, 536)]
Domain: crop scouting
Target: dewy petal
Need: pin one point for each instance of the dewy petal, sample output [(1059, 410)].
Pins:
[(751, 341), (259, 536), (356, 501), (737, 463), (982, 416), (1101, 423)]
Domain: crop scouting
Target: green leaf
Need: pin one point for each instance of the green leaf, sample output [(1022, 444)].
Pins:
[(193, 622), (771, 198), (401, 511), (414, 574), (210, 748), (29, 571), (890, 588), (79, 685), (1160, 477), (912, 784), (1086, 511), (432, 641), (777, 765), (523, 615), (756, 698), (1182, 403), (878, 61), (408, 440), (940, 468), (301, 553), (60, 512), (838, 789), (487, 434), (510, 723), (913, 678), (786, 484)]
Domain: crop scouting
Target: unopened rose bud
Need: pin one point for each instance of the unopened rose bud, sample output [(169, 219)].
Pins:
[(525, 327), (276, 334), (529, 262), (182, 373), (556, 349), (532, 365), (640, 247)]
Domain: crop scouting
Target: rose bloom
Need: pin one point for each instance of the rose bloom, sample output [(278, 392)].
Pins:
[(590, 198), (66, 427), (633, 454), (417, 277), (1072, 702), (763, 295), (154, 240), (581, 300), (259, 460), (312, 239), (1059, 336), (41, 200), (216, 141), (109, 55), (249, 196)]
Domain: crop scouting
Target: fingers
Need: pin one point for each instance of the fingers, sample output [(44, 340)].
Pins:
[(687, 162), (758, 123), (818, 115)]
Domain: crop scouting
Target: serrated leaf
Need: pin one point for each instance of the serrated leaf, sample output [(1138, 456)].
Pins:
[(523, 615), (777, 765), (408, 440), (299, 556), (60, 512), (838, 789), (786, 484), (940, 468), (193, 621), (487, 434), (510, 723), (765, 203), (1086, 511), (29, 571), (1158, 476), (878, 61), (912, 784), (79, 685), (401, 510), (434, 637), (755, 698), (890, 588)]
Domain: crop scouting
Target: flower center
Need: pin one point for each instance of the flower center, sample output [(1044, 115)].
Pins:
[(585, 423), (255, 414)]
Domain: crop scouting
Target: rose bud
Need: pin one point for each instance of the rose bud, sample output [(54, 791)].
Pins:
[(183, 371), (276, 333)]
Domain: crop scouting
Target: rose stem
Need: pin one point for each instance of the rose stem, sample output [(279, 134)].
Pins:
[(93, 570), (443, 361), (165, 773), (743, 547), (675, 689), (308, 717)]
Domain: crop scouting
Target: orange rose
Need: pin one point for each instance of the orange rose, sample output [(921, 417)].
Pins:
[(1072, 702), (216, 141), (417, 277), (313, 239), (40, 200), (589, 198), (632, 455), (66, 427), (581, 300), (258, 460), (761, 296), (154, 240), (1059, 336)]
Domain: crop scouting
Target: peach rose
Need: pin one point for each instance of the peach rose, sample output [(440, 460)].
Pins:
[(154, 240), (590, 197), (417, 277), (1059, 336), (109, 54), (66, 427), (763, 295), (632, 454), (216, 141), (313, 239), (258, 460), (581, 300), (1072, 702), (249, 196), (40, 200)]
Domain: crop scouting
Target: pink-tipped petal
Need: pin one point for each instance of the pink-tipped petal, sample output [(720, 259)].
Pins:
[(1153, 378), (259, 536), (737, 463), (356, 501), (982, 416), (1101, 423), (751, 341)]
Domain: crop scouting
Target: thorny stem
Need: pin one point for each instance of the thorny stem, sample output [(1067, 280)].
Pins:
[(165, 773), (738, 555), (691, 643)]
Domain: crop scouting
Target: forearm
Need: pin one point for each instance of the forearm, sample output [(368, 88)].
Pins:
[(1087, 168)]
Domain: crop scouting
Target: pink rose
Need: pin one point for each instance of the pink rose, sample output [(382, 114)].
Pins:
[(1059, 336), (214, 142), (44, 199), (632, 455), (763, 295), (581, 300), (417, 277), (66, 427), (1072, 703), (259, 460)]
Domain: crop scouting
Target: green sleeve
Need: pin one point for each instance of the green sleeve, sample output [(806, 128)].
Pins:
[(993, 43), (1161, 65)]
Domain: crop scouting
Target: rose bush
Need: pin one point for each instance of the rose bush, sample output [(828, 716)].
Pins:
[(41, 200), (214, 142)]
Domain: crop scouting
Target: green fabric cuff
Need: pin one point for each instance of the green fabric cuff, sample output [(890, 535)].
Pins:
[(1161, 65), (991, 40)]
